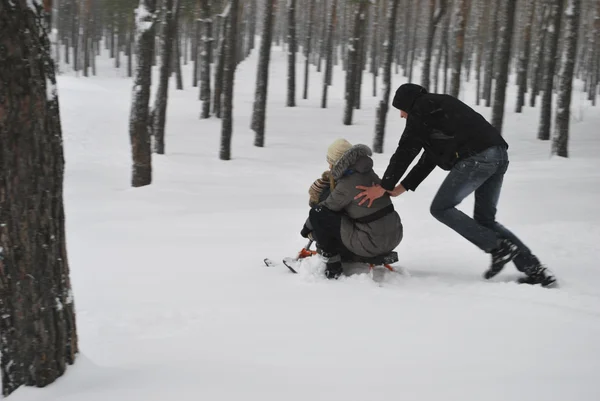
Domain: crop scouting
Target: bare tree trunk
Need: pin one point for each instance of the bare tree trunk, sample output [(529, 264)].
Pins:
[(506, 34), (435, 15), (523, 67), (539, 52), (388, 49), (177, 46), (482, 21), (353, 61), (219, 70), (159, 112), (307, 46), (39, 336), (563, 112), (329, 53), (551, 56), (291, 40), (262, 75), (491, 55), (228, 80), (139, 121), (375, 46), (460, 20), (205, 56)]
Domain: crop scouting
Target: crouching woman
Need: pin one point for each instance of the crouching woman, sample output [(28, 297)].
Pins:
[(339, 224)]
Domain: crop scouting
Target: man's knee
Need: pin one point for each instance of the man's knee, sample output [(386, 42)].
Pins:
[(437, 210)]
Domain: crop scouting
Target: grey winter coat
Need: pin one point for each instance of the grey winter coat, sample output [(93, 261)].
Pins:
[(375, 238)]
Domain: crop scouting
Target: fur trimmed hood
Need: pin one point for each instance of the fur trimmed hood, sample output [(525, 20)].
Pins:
[(357, 157)]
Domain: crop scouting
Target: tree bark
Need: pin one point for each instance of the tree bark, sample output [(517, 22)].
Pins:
[(435, 15), (262, 75), (354, 67), (550, 61), (228, 80), (460, 21), (503, 56), (563, 112), (329, 53), (139, 121), (291, 40), (159, 112), (39, 336), (205, 57), (307, 46), (388, 49), (523, 68)]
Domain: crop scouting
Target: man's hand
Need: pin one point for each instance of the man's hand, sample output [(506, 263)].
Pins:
[(399, 190), (369, 194)]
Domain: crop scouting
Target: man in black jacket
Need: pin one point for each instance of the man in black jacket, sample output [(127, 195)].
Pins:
[(457, 139)]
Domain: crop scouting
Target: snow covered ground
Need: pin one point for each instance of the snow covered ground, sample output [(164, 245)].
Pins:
[(174, 302)]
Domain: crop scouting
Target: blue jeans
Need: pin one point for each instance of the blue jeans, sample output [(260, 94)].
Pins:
[(483, 174)]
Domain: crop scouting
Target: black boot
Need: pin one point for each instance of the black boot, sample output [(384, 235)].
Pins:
[(539, 274), (333, 266), (333, 270), (505, 253)]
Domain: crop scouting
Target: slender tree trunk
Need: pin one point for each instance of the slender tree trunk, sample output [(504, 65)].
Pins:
[(539, 53), (205, 57), (563, 112), (460, 21), (39, 336), (523, 67), (491, 55), (219, 70), (262, 75), (551, 56), (435, 15), (177, 46), (159, 112), (139, 121), (388, 49), (291, 40), (307, 50), (228, 80), (329, 53), (503, 56), (482, 22), (353, 61)]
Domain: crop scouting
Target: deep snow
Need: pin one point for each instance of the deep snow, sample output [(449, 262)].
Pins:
[(174, 302)]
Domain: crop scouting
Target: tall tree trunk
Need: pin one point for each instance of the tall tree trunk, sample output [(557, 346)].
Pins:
[(262, 75), (205, 56), (388, 49), (159, 112), (523, 67), (139, 121), (482, 21), (307, 46), (539, 53), (291, 40), (550, 60), (375, 46), (491, 55), (219, 70), (177, 46), (435, 15), (353, 61), (329, 53), (563, 112), (228, 80), (39, 336), (503, 56), (460, 20)]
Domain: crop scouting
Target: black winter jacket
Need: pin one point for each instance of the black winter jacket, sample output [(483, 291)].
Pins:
[(447, 129)]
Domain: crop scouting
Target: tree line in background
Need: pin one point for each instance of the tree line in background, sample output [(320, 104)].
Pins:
[(543, 43)]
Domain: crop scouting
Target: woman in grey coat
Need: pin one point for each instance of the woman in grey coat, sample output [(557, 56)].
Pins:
[(339, 224)]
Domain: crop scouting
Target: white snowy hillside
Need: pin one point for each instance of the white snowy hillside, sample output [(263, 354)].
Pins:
[(174, 301)]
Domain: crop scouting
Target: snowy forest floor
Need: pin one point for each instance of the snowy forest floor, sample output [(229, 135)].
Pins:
[(174, 302)]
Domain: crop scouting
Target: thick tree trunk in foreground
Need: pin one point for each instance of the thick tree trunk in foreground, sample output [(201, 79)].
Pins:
[(39, 337)]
